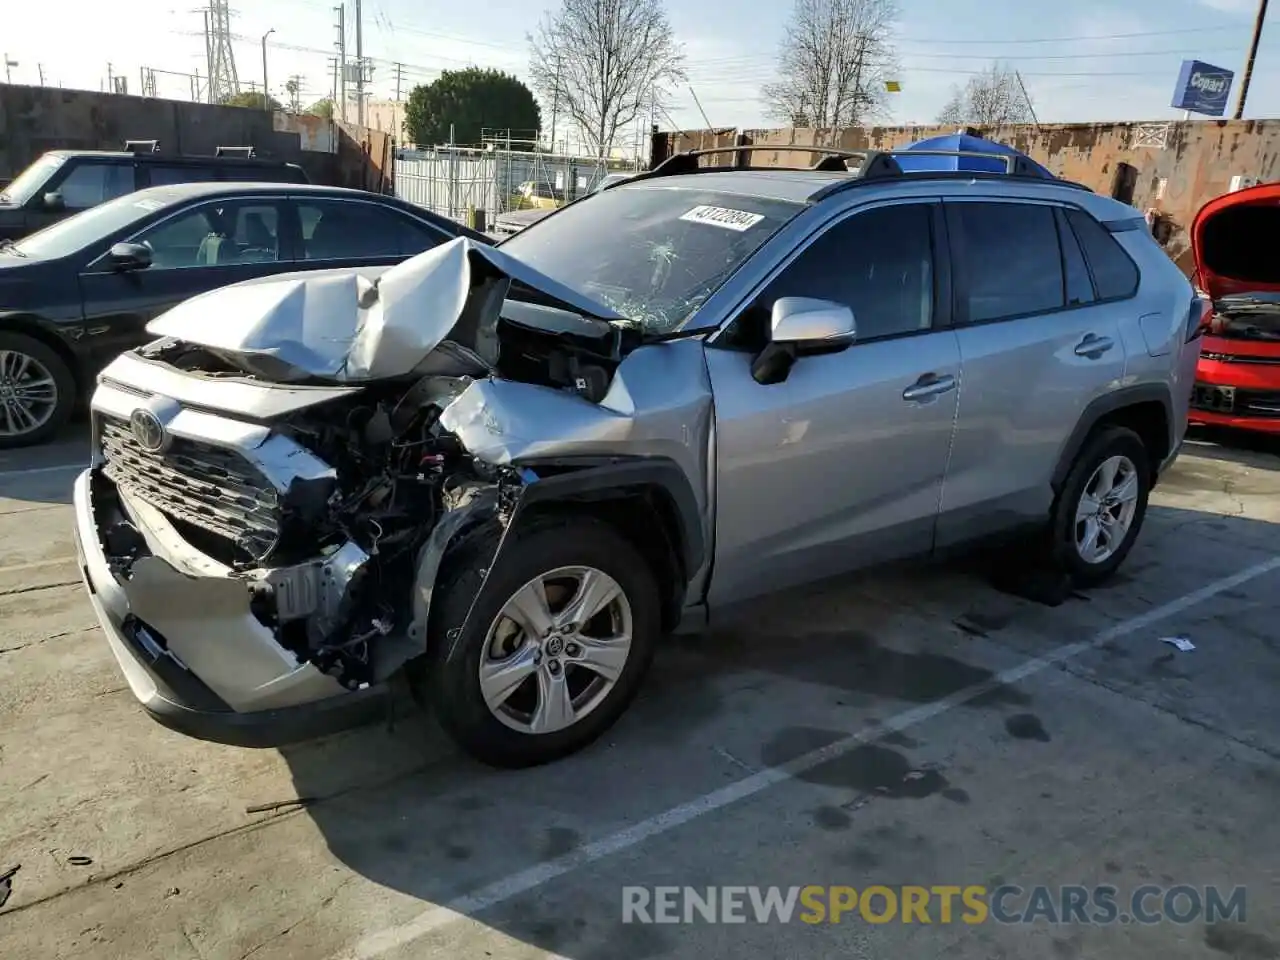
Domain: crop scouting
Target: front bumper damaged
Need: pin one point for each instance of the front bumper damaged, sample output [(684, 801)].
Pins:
[(188, 643)]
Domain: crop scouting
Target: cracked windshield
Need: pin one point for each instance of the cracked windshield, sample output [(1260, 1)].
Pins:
[(639, 480), (651, 254)]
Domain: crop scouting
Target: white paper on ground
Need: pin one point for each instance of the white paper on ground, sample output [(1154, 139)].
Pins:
[(1182, 643)]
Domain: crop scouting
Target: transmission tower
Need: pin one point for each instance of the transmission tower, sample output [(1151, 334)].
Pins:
[(223, 81)]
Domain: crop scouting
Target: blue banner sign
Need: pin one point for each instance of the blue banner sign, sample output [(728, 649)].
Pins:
[(1203, 88)]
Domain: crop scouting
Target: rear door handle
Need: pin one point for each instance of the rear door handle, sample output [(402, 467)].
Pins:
[(927, 387), (1093, 346)]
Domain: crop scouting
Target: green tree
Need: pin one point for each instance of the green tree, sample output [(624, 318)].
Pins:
[(251, 99), (321, 108), (470, 100)]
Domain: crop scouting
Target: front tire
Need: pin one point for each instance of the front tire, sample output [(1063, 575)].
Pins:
[(37, 391), (1099, 512), (555, 648)]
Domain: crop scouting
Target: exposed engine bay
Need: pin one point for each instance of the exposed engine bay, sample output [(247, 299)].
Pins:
[(1248, 316), (328, 513)]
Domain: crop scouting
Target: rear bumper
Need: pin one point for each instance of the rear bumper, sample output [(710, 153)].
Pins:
[(175, 695)]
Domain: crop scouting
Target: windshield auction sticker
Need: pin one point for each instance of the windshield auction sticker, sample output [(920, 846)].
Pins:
[(724, 217)]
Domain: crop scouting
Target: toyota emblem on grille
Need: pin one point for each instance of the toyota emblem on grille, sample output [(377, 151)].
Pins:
[(148, 430)]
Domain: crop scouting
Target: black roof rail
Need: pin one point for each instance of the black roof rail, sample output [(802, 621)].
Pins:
[(245, 152), (871, 163), (142, 146)]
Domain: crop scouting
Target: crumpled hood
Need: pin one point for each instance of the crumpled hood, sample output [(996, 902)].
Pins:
[(348, 328)]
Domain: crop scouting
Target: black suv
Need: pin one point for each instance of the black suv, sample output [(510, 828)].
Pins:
[(63, 182)]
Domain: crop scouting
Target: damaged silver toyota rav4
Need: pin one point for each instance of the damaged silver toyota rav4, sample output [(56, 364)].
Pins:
[(505, 473)]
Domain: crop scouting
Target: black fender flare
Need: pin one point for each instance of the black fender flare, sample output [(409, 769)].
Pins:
[(603, 478), (1102, 407)]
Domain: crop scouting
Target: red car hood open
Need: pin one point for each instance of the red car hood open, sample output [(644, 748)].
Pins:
[(1233, 240)]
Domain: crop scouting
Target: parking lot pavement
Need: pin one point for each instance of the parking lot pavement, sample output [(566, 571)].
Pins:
[(917, 728)]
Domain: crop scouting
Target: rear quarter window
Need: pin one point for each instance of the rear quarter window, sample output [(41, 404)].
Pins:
[(1115, 276)]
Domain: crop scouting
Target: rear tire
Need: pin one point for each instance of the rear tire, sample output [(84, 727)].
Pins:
[(1099, 511), (37, 391), (560, 556)]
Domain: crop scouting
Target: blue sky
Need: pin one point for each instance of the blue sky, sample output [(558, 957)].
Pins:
[(1083, 61)]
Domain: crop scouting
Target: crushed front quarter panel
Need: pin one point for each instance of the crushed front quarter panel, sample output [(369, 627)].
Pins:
[(659, 404)]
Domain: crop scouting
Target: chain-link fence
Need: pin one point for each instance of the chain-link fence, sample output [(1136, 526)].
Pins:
[(458, 182)]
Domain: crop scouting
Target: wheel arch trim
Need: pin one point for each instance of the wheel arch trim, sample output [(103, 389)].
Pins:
[(1104, 406)]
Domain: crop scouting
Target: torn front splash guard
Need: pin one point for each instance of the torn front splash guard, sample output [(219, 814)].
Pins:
[(471, 509)]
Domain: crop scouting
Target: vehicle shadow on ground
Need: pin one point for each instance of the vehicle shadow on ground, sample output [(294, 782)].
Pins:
[(1235, 446), (406, 810)]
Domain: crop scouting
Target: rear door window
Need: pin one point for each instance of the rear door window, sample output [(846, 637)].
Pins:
[(1012, 256), (350, 230), (1114, 274)]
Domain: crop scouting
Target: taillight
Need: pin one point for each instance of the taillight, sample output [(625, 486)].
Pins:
[(1199, 316)]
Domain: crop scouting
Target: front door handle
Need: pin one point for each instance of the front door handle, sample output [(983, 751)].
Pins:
[(1093, 346), (927, 387)]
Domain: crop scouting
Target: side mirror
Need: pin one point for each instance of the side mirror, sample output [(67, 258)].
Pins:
[(803, 321), (801, 325), (130, 256), (53, 202)]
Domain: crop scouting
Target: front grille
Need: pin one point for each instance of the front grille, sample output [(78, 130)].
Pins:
[(206, 486), (1258, 403)]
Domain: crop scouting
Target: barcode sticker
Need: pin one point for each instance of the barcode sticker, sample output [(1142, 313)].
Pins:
[(723, 217)]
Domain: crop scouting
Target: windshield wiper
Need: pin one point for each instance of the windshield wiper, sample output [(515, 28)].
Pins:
[(7, 246)]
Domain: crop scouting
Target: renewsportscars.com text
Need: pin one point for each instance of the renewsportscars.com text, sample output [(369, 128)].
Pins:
[(943, 904)]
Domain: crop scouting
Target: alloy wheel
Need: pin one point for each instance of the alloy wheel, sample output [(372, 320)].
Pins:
[(28, 394), (556, 649), (1106, 509)]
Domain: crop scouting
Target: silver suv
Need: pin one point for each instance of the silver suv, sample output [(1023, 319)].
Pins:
[(505, 473)]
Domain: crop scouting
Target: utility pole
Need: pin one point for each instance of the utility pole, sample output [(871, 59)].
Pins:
[(342, 57), (8, 65), (359, 66), (208, 56), (266, 90), (399, 73), (1027, 100), (40, 71), (697, 103), (1253, 53)]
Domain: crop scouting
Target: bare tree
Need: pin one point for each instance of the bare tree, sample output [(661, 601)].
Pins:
[(988, 99), (603, 63), (833, 63)]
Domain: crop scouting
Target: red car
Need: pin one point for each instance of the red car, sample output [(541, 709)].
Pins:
[(1238, 378)]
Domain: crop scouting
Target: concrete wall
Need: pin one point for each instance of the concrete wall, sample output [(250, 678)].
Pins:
[(387, 116), (1179, 166)]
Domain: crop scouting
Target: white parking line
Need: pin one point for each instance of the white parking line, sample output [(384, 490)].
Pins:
[(57, 468), (507, 888)]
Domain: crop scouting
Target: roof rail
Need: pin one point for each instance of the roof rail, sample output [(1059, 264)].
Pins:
[(872, 164), (245, 152), (142, 146)]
